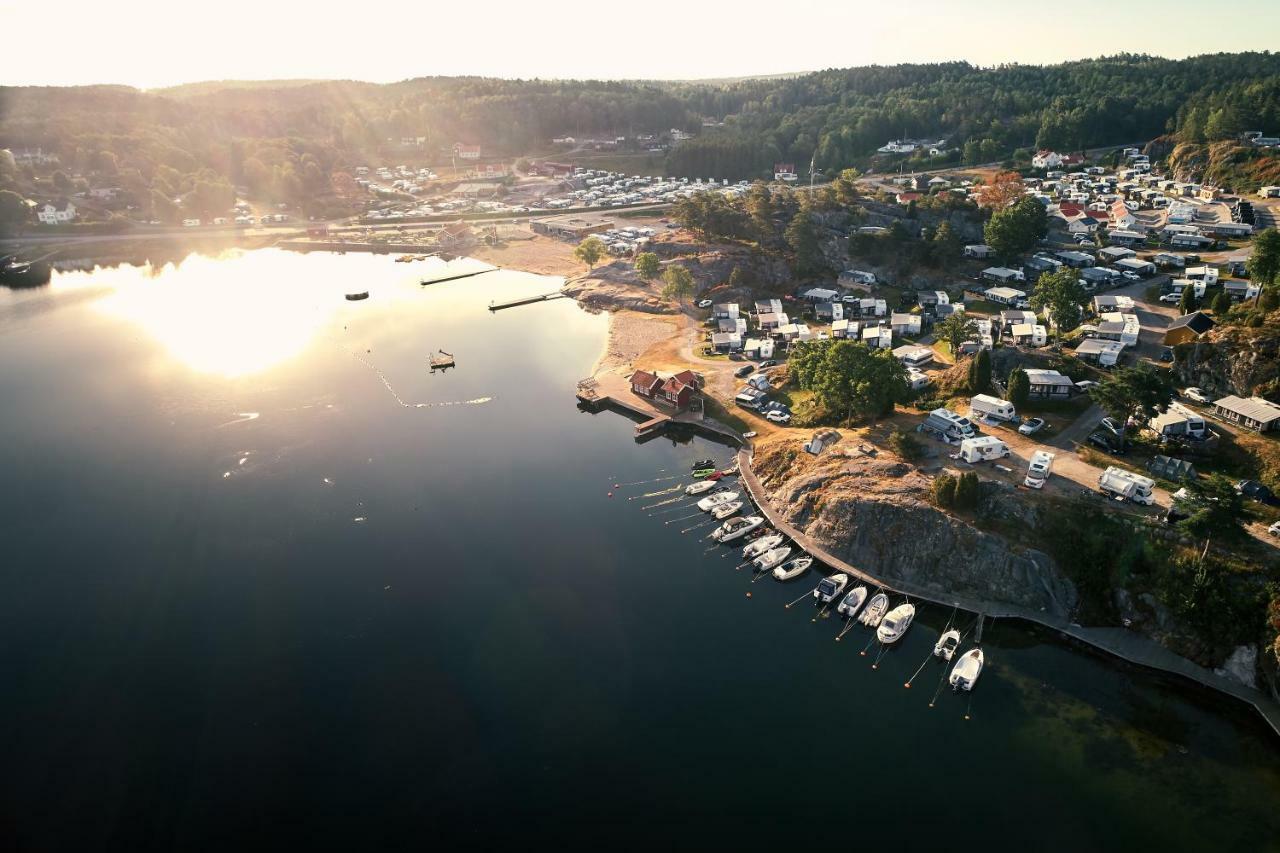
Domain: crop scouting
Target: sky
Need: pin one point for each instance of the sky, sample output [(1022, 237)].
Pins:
[(149, 43)]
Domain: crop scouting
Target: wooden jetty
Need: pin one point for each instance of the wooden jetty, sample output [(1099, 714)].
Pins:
[(525, 300), (427, 281), (441, 359)]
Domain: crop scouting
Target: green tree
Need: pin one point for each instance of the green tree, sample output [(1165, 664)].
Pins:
[(947, 246), (1222, 304), (944, 491), (980, 372), (677, 283), (1016, 229), (955, 329), (13, 211), (802, 237), (1188, 302), (1264, 263), (1019, 388), (846, 187), (850, 379), (8, 169), (1138, 392), (1269, 298), (1061, 297), (647, 266), (61, 182), (590, 251), (1216, 508)]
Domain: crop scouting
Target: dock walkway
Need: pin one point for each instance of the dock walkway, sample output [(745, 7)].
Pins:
[(1120, 642)]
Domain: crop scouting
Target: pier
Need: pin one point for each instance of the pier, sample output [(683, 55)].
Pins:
[(1120, 642), (525, 300), (610, 389), (427, 281)]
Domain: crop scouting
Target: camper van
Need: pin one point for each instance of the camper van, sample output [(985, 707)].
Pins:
[(986, 406), (948, 426), (1127, 486), (982, 449), (1039, 469)]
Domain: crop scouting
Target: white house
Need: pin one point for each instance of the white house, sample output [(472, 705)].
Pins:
[(1029, 334), (1122, 218), (905, 324), (878, 337), (51, 214), (1045, 159), (1004, 295)]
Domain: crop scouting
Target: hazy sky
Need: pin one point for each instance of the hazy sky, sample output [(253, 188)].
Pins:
[(151, 43)]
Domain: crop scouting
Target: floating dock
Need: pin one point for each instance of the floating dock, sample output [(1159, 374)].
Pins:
[(441, 359), (427, 281), (526, 300)]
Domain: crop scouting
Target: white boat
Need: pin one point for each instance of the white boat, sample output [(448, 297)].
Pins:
[(725, 510), (829, 588), (771, 558), (966, 671), (736, 528), (947, 644), (754, 549), (874, 611), (895, 623), (700, 487), (718, 499), (850, 603), (792, 568)]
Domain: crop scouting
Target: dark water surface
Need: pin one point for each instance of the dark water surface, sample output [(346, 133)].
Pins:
[(261, 585)]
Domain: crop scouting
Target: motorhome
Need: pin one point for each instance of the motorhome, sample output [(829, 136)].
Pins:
[(982, 449), (1178, 422), (1125, 485), (1039, 469), (948, 426), (986, 406)]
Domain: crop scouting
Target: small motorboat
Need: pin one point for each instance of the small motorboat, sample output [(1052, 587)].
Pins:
[(725, 510), (699, 488), (874, 611), (966, 671), (702, 463), (718, 499), (895, 623), (792, 568), (357, 295), (851, 603), (719, 475), (702, 473), (772, 557), (759, 546), (947, 644), (829, 588), (736, 528)]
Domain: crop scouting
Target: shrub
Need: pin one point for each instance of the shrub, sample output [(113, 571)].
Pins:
[(944, 491), (967, 491), (1019, 388), (905, 444)]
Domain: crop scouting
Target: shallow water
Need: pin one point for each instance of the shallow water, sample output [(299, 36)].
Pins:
[(269, 578)]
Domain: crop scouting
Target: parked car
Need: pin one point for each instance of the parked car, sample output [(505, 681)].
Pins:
[(743, 371), (1130, 275), (1112, 426), (778, 417), (1031, 426), (1171, 298), (768, 363), (1107, 441), (704, 303), (1197, 395), (1274, 529), (1257, 491)]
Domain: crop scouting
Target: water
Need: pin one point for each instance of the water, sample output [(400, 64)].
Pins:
[(262, 584)]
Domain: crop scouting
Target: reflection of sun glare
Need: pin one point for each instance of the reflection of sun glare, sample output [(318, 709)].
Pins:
[(232, 316)]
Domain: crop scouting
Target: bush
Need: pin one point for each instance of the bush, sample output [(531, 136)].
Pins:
[(967, 491), (930, 404), (1019, 388), (944, 491), (905, 444), (980, 372)]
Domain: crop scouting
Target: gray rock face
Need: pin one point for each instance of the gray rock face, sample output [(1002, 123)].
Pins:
[(1242, 666), (891, 532)]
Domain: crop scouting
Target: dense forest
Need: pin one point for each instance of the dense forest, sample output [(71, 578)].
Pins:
[(296, 141)]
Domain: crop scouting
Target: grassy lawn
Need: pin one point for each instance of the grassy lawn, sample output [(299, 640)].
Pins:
[(713, 408), (982, 306)]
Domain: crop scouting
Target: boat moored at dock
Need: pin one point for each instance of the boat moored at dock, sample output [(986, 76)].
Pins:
[(757, 547), (895, 623), (874, 610), (725, 510), (966, 671), (852, 602), (771, 558), (947, 644), (829, 588), (792, 568), (718, 499), (736, 528)]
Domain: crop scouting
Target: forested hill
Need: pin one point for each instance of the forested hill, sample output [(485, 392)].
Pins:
[(288, 140)]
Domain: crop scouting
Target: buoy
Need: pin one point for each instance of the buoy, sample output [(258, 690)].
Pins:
[(837, 639), (907, 685), (748, 595), (875, 666), (863, 653), (617, 485), (930, 704), (966, 716), (611, 494)]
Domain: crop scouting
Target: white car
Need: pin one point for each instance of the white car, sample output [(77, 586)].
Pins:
[(1274, 529), (1031, 426), (1197, 395), (704, 303), (1171, 298), (1131, 275), (779, 417)]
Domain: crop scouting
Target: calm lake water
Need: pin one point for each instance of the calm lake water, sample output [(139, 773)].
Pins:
[(268, 579)]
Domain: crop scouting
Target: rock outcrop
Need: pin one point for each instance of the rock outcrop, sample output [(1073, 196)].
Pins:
[(1236, 360), (876, 515)]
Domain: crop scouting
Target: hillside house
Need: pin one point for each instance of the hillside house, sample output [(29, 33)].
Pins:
[(1253, 413), (56, 214), (1104, 353), (1049, 384), (1187, 328), (905, 324)]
